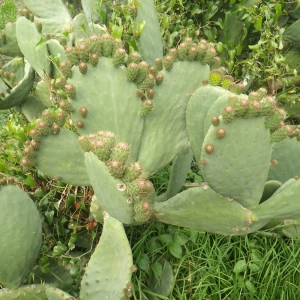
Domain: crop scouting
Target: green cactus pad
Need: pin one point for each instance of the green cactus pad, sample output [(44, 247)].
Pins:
[(32, 108), (200, 207), (168, 115), (20, 91), (26, 292), (10, 48), (111, 102), (16, 66), (56, 49), (150, 43), (38, 58), (89, 8), (97, 210), (61, 156), (57, 294), (42, 92), (286, 154), (110, 192), (283, 205), (179, 169), (55, 26), (109, 269), (20, 244), (238, 166), (198, 106), (270, 188), (48, 9)]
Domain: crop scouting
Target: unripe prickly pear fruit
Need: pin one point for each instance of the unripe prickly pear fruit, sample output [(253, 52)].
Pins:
[(35, 145), (66, 69), (134, 57), (94, 59), (158, 64), (274, 118), (253, 96), (60, 82), (142, 217), (153, 70), (215, 63), (146, 107), (141, 206), (101, 149), (55, 129), (83, 111), (39, 26), (143, 71), (119, 57), (159, 78), (107, 45), (120, 152), (150, 93), (70, 90), (140, 187), (262, 92), (47, 117), (84, 143), (209, 56), (29, 152), (168, 62), (148, 82), (117, 44), (83, 52), (43, 128), (182, 51), (192, 53), (35, 135), (132, 72), (228, 114), (60, 118), (140, 94), (132, 172), (27, 163), (202, 48), (95, 45), (72, 55), (83, 67), (279, 134), (173, 52), (116, 168)]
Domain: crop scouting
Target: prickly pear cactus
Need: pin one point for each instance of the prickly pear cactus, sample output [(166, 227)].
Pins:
[(21, 235)]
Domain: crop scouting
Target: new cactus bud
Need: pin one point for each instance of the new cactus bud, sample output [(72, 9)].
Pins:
[(132, 72), (120, 152), (153, 70), (101, 150), (274, 118), (107, 45), (147, 107), (47, 117), (239, 88), (159, 78), (72, 55), (83, 111), (95, 45), (188, 41), (117, 44), (119, 57), (132, 172), (241, 107), (134, 57), (202, 162), (55, 129), (262, 92), (140, 188), (267, 104), (215, 77), (182, 51), (220, 133), (209, 148), (66, 69), (116, 168), (27, 163), (108, 137), (168, 62), (140, 94), (39, 26), (143, 71), (227, 79), (60, 118), (150, 93), (79, 124), (83, 67), (215, 120), (228, 114), (94, 59), (158, 64), (192, 53), (60, 82), (70, 90)]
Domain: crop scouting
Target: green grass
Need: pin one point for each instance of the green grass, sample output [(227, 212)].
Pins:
[(217, 267)]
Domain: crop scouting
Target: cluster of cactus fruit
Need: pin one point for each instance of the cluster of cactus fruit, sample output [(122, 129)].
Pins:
[(111, 119)]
